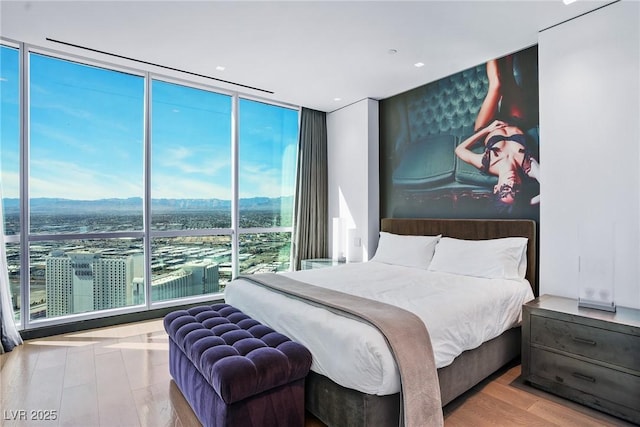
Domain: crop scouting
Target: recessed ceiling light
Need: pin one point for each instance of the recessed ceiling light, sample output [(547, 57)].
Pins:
[(392, 51), (419, 64), (220, 68), (337, 99), (568, 1)]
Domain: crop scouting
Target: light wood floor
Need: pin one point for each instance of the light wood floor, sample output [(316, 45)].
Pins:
[(119, 376)]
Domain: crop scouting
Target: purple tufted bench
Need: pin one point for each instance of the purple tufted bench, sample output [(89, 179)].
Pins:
[(235, 371)]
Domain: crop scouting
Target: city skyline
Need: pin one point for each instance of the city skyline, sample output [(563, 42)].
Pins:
[(12, 204), (61, 216), (171, 260), (78, 281)]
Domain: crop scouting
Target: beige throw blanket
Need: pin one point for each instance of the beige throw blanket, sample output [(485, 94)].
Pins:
[(406, 336)]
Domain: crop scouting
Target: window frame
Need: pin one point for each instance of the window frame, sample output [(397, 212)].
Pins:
[(25, 238)]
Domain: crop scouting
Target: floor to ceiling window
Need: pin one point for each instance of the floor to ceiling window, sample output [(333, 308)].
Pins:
[(86, 178), (134, 194), (266, 176), (190, 190), (10, 165)]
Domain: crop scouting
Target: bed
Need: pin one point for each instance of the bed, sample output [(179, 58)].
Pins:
[(340, 400)]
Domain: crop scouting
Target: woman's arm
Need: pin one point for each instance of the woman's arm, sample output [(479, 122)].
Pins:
[(463, 151), (534, 172)]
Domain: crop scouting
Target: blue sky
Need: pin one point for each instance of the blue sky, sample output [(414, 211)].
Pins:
[(87, 136), (9, 130)]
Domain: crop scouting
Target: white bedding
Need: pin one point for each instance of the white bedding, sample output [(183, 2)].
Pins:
[(460, 313)]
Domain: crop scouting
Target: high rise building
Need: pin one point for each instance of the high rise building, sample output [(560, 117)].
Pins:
[(82, 281), (59, 284), (205, 276), (113, 280), (193, 278)]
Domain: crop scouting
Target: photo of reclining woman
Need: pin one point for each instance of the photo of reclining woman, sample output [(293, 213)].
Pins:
[(466, 145), (507, 153)]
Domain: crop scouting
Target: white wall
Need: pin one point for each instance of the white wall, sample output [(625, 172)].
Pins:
[(589, 71), (352, 151)]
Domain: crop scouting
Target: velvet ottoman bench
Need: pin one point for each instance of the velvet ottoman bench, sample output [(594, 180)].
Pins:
[(235, 371)]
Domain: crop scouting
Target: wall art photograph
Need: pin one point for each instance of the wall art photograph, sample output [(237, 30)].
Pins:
[(465, 146)]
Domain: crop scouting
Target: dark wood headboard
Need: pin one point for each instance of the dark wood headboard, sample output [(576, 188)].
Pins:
[(472, 229)]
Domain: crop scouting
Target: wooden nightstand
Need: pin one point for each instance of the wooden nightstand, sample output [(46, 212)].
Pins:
[(586, 355)]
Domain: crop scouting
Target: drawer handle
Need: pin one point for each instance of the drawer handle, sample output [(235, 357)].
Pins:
[(584, 377), (584, 341)]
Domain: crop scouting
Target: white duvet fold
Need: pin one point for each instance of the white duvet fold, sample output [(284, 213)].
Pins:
[(460, 313)]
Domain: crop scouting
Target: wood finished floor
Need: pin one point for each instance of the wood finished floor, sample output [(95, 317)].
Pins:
[(119, 376)]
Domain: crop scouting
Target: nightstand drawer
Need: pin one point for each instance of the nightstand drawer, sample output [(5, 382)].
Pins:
[(595, 343), (596, 380)]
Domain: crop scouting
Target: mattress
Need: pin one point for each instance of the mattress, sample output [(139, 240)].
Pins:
[(460, 312)]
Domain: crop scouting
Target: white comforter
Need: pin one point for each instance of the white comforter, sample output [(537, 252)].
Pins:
[(460, 313)]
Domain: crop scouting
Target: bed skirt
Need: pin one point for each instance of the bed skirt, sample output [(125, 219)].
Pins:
[(337, 406)]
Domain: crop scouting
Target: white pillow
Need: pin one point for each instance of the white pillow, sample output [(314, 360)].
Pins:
[(504, 258), (408, 251)]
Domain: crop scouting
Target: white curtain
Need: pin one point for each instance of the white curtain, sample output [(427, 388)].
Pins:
[(9, 335)]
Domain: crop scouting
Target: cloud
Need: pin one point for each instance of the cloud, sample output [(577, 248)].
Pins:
[(260, 181), (55, 178), (202, 161), (10, 184), (176, 187)]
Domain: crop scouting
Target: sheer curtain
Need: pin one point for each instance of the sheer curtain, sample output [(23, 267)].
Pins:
[(311, 217), (9, 336)]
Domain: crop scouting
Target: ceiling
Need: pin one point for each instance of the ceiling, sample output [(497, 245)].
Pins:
[(322, 55)]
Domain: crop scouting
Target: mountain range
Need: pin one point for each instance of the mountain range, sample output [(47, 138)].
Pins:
[(44, 205)]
